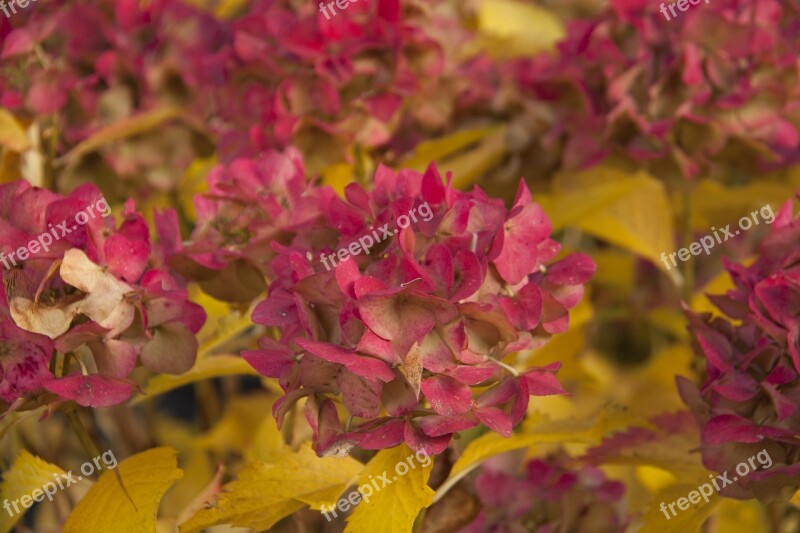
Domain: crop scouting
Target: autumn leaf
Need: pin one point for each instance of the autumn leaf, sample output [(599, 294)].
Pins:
[(511, 28), (440, 149), (686, 521), (108, 507), (12, 135), (264, 493), (122, 129), (630, 211), (394, 507), (203, 369), (27, 473)]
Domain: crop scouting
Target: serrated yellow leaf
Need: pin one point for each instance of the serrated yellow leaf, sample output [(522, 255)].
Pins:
[(394, 508), (26, 474), (203, 369), (263, 493), (12, 135), (106, 506), (516, 29)]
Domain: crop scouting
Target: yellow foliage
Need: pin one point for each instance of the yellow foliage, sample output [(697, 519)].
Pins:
[(203, 369), (12, 135), (108, 507), (511, 28), (630, 211), (394, 508), (264, 493), (686, 521), (27, 474)]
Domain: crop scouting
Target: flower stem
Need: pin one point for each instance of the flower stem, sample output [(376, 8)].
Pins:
[(83, 435)]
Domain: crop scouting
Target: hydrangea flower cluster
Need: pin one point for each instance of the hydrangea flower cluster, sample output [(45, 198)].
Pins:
[(552, 497), (379, 74), (91, 64), (750, 399), (96, 289), (670, 94), (249, 204), (278, 74), (405, 341)]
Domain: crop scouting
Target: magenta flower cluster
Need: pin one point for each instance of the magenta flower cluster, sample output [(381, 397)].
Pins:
[(750, 399), (101, 290), (405, 341), (553, 496)]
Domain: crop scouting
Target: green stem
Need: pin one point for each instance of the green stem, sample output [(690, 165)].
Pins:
[(83, 435)]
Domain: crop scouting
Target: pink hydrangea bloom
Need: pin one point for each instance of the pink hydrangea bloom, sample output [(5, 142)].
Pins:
[(405, 329), (552, 497), (750, 398), (85, 282), (249, 204), (681, 96)]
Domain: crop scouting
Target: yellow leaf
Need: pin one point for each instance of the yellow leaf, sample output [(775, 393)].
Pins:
[(437, 150), (394, 508), (12, 135), (263, 494), (686, 521), (106, 506), (516, 29), (223, 323), (715, 205), (631, 211), (472, 165), (27, 474), (122, 129), (205, 368), (491, 444), (338, 176), (267, 442), (237, 427), (735, 515)]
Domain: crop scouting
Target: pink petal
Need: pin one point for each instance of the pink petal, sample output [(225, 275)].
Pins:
[(91, 391), (446, 395)]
